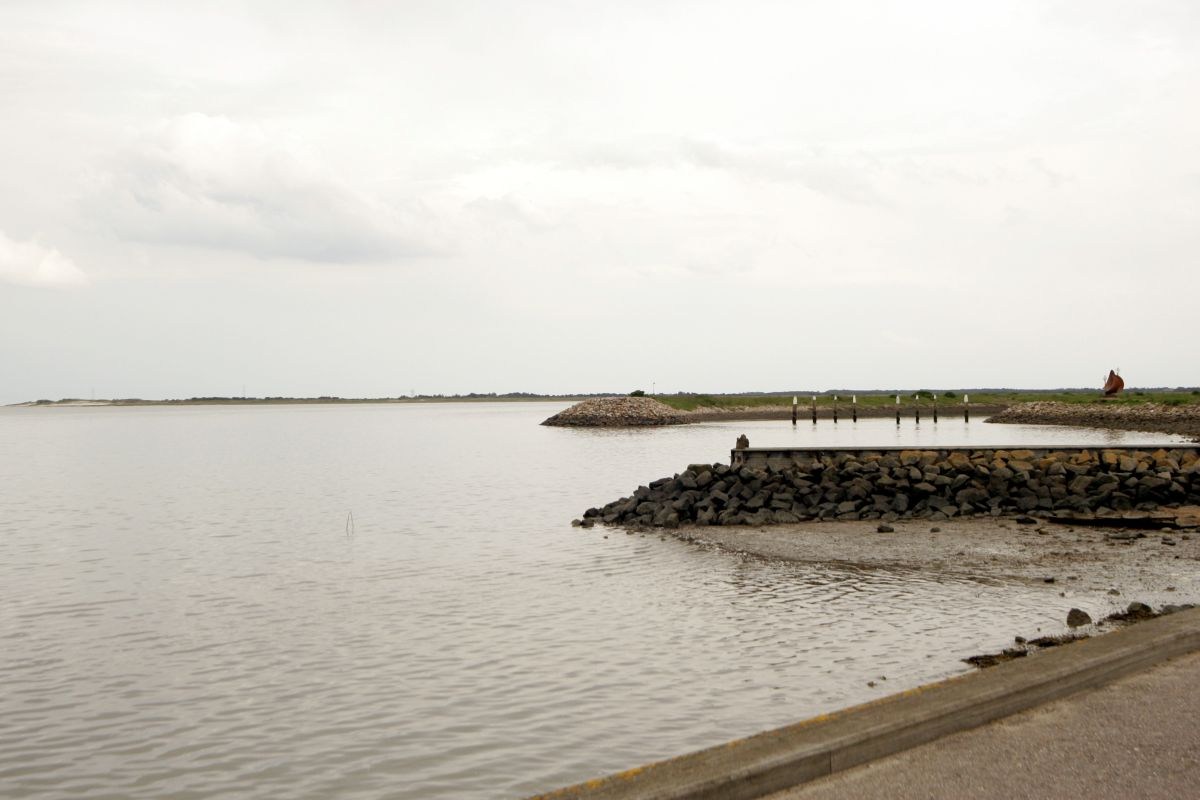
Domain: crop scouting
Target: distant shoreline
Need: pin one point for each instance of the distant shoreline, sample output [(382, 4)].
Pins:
[(285, 401), (1170, 411), (771, 403)]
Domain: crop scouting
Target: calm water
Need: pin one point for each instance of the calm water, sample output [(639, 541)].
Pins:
[(183, 613)]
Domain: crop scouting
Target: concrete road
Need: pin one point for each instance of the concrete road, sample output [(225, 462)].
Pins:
[(1138, 737)]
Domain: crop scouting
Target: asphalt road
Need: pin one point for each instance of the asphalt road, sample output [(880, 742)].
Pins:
[(1138, 737)]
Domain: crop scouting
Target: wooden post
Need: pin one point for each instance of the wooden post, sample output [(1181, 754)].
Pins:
[(814, 409), (917, 408), (935, 408), (795, 408), (966, 408), (854, 406), (897, 410), (835, 409)]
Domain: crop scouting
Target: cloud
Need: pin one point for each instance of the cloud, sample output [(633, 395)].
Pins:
[(32, 264), (211, 182), (833, 176)]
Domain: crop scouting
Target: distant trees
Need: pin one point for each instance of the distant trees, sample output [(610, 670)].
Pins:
[(637, 393)]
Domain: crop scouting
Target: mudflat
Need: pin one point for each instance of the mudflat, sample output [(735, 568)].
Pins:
[(1154, 566)]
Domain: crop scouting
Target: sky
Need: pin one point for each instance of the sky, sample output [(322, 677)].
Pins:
[(380, 198)]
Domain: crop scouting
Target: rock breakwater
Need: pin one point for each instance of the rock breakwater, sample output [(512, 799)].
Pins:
[(613, 412), (1180, 419), (890, 485)]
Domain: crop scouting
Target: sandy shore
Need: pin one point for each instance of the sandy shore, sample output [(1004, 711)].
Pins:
[(945, 410), (1159, 568)]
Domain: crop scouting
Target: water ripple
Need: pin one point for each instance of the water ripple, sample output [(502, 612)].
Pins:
[(184, 615)]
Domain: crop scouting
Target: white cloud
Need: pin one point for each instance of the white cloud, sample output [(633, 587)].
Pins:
[(211, 182), (835, 176), (32, 264), (647, 166)]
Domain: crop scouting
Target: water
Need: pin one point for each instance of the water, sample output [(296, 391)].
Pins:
[(184, 612)]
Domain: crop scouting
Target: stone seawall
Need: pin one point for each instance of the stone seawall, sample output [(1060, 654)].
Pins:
[(1181, 419), (764, 486)]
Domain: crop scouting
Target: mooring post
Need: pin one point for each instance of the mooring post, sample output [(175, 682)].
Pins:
[(795, 406), (966, 408), (897, 410), (854, 407), (935, 408), (835, 409), (917, 408), (814, 409)]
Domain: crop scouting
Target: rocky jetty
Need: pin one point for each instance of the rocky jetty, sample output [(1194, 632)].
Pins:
[(907, 484), (615, 412), (1181, 419)]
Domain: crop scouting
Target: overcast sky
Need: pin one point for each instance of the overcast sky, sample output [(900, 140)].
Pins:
[(375, 198)]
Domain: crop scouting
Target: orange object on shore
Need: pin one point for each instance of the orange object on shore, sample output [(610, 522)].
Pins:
[(1113, 385)]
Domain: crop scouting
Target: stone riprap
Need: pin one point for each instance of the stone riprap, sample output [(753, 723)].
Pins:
[(788, 486), (613, 412), (1181, 419)]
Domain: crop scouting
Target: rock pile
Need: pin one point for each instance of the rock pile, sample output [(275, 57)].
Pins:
[(617, 412), (1182, 419), (921, 484)]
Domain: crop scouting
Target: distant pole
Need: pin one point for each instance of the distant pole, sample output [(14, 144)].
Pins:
[(854, 406), (835, 409), (814, 409), (935, 408), (966, 408), (795, 408), (897, 410), (917, 408)]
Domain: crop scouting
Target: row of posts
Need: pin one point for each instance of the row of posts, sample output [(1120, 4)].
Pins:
[(854, 408)]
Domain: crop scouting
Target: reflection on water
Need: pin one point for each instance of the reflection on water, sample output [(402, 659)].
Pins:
[(884, 432), (184, 612)]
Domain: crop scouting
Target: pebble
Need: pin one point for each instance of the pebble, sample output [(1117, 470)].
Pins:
[(1077, 618)]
